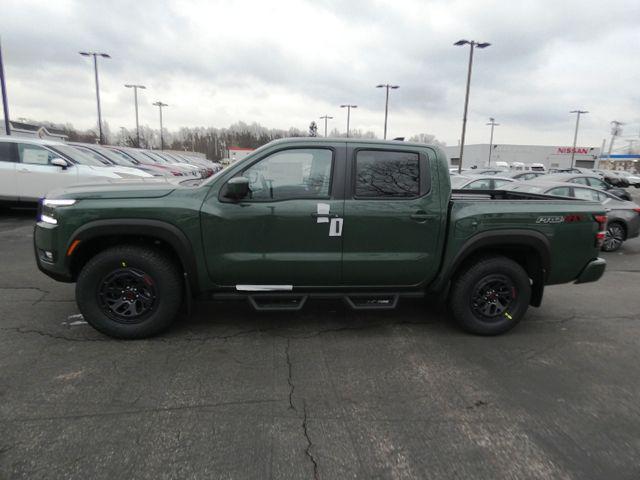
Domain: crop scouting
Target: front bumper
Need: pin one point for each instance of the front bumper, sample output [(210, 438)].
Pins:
[(45, 239), (593, 271)]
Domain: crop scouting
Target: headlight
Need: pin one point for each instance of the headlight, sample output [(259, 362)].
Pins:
[(48, 208)]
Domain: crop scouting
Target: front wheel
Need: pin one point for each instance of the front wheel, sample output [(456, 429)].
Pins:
[(129, 292), (491, 296)]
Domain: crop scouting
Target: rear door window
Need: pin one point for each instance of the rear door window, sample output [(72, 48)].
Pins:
[(484, 184), (386, 174), (597, 183), (585, 194), (8, 152), (560, 191), (580, 180), (499, 183)]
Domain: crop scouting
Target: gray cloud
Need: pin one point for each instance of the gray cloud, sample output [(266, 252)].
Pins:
[(285, 64)]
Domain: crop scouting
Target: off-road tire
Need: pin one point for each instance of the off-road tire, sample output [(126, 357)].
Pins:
[(475, 277), (160, 273)]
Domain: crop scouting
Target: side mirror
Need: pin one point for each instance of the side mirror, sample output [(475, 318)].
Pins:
[(59, 162), (237, 188)]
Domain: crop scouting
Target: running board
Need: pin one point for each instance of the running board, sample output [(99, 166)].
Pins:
[(275, 302), (372, 301), (293, 302)]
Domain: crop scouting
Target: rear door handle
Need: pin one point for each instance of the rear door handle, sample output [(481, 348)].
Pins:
[(325, 215)]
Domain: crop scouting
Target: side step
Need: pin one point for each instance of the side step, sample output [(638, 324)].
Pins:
[(372, 301), (273, 302), (292, 302)]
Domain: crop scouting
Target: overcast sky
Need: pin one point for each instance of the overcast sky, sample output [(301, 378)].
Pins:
[(285, 63)]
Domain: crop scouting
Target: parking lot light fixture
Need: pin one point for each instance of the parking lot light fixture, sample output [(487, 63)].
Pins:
[(325, 118), (386, 86), (159, 104), (348, 107), (95, 56), (575, 133), (492, 122), (472, 44), (135, 99)]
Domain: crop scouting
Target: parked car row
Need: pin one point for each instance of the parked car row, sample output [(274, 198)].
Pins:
[(29, 168), (623, 215)]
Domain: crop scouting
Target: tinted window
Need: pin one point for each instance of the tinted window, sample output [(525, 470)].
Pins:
[(484, 184), (7, 152), (387, 174), (559, 191), (296, 173), (34, 155)]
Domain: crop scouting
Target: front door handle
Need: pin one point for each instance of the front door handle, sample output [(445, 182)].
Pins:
[(325, 215), (422, 216)]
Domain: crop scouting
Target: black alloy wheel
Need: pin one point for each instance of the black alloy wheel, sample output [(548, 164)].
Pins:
[(127, 295), (493, 296)]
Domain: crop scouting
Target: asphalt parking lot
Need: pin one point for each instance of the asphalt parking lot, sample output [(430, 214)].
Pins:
[(325, 393)]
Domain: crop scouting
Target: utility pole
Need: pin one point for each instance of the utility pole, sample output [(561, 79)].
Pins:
[(386, 86), (575, 133), (95, 56), (615, 131), (325, 117), (492, 122), (472, 44), (135, 99), (348, 107), (159, 104), (5, 102)]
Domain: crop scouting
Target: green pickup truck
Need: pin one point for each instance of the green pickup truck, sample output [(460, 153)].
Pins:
[(366, 221)]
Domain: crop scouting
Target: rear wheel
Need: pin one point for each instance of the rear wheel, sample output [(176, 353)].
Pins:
[(129, 292), (614, 237), (491, 296)]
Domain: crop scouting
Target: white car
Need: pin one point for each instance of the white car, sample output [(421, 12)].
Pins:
[(29, 168)]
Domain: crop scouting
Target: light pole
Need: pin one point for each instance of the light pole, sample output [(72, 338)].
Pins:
[(492, 122), (386, 86), (472, 44), (159, 104), (348, 107), (5, 102), (615, 131), (95, 56), (325, 117), (135, 99), (575, 133)]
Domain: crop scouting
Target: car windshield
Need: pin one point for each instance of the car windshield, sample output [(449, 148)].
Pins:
[(142, 158), (115, 157), (76, 155)]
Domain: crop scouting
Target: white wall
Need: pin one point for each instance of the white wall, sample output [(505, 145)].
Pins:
[(549, 156)]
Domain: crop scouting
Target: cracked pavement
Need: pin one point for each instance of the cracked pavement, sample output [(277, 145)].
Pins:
[(320, 394)]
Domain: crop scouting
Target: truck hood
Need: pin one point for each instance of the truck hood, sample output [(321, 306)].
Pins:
[(123, 188)]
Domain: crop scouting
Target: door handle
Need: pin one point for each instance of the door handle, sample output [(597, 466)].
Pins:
[(421, 216), (325, 215)]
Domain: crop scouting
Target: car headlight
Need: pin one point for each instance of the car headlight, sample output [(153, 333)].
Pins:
[(48, 208)]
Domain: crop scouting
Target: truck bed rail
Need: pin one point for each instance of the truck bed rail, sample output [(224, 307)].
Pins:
[(503, 195)]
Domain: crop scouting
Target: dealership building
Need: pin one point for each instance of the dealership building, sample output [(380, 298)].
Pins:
[(549, 156)]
